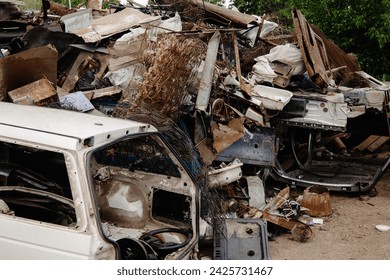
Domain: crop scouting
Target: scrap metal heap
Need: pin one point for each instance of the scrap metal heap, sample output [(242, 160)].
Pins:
[(246, 103)]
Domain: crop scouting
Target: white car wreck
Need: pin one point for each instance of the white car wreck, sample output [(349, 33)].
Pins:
[(81, 186)]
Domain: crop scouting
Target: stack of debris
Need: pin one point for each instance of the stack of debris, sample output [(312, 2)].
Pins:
[(255, 102)]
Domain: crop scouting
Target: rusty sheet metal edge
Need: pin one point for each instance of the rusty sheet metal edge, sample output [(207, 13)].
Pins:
[(238, 18), (226, 135), (113, 24), (313, 51)]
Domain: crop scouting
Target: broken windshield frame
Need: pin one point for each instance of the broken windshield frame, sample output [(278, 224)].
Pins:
[(141, 154)]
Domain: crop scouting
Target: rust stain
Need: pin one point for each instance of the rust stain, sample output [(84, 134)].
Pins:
[(313, 51)]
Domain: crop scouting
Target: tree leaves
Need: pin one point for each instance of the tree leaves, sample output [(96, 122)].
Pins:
[(358, 26)]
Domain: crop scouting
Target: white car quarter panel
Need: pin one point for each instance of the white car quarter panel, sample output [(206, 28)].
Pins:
[(34, 240)]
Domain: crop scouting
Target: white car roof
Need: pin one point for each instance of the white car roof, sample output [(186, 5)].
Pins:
[(63, 128)]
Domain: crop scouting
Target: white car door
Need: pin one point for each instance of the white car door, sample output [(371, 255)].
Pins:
[(42, 212), (26, 239)]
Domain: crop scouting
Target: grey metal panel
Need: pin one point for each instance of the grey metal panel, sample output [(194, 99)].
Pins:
[(242, 239), (258, 147)]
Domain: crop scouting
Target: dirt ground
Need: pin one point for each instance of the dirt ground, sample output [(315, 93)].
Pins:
[(349, 233)]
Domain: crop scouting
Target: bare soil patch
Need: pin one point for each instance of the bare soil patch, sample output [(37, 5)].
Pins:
[(349, 233)]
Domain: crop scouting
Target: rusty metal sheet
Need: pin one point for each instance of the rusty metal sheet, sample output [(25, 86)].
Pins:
[(26, 67), (337, 57), (313, 51), (237, 18), (112, 24), (223, 137), (226, 135), (370, 140), (317, 201)]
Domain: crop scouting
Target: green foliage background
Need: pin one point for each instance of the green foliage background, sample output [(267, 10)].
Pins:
[(361, 27)]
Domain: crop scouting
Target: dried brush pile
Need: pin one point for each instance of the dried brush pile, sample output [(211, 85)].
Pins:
[(171, 63)]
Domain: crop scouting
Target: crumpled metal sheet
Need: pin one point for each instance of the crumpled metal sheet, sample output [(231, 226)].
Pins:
[(226, 135), (112, 24)]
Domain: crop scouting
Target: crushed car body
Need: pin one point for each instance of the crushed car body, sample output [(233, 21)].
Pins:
[(92, 187)]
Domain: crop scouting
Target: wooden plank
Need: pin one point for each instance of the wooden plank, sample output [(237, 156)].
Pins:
[(378, 143), (122, 62), (107, 91), (41, 92), (246, 90), (371, 139)]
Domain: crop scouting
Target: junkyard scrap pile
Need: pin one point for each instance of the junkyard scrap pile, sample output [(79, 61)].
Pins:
[(264, 109)]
